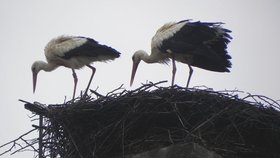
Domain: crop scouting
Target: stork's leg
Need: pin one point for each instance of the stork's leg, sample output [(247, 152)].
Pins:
[(93, 72), (190, 75), (174, 69), (75, 82)]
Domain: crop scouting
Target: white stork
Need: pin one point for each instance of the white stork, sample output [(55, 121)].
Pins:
[(199, 44), (73, 52)]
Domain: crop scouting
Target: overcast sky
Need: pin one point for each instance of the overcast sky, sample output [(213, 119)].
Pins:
[(127, 25)]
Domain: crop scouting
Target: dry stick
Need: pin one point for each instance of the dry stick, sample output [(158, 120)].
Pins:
[(14, 142), (179, 115), (112, 131), (120, 87), (147, 86), (40, 136), (208, 120), (170, 137), (143, 87), (123, 140), (264, 98), (252, 97), (28, 145), (74, 143), (96, 93), (24, 101), (238, 131)]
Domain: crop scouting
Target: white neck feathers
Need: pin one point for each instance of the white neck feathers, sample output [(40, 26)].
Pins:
[(41, 65)]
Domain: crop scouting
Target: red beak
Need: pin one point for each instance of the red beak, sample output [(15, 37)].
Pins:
[(34, 81), (134, 68)]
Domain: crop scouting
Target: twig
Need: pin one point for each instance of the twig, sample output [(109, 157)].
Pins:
[(144, 87), (13, 142), (266, 100), (111, 92), (26, 146), (96, 93), (40, 137), (208, 120), (24, 101), (73, 142)]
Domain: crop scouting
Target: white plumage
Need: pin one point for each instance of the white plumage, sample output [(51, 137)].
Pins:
[(166, 31), (62, 44)]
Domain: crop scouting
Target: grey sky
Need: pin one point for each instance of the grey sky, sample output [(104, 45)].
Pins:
[(127, 25)]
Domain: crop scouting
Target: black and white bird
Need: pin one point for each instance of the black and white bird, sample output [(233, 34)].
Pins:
[(199, 44), (73, 52)]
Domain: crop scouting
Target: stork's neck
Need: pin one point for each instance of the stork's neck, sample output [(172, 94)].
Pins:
[(47, 66), (148, 58)]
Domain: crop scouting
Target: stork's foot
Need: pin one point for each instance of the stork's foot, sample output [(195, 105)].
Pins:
[(82, 97), (86, 96)]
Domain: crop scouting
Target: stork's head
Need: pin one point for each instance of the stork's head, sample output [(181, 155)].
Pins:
[(35, 68), (136, 58)]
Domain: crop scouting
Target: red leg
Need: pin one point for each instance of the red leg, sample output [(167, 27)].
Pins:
[(190, 75), (174, 69), (93, 72), (75, 82)]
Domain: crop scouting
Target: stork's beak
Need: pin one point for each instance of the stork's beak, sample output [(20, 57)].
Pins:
[(134, 68), (34, 80)]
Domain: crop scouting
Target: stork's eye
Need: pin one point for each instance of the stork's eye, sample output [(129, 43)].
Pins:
[(33, 69)]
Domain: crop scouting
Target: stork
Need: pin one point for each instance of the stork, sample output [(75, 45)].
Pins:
[(199, 44), (73, 52)]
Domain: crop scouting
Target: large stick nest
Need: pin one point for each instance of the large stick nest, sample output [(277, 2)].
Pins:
[(128, 122)]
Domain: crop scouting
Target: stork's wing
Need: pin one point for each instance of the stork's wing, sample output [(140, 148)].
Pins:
[(206, 43), (91, 48)]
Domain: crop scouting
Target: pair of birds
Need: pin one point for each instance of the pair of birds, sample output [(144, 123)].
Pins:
[(199, 44)]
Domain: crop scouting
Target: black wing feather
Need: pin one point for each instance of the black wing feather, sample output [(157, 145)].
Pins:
[(203, 43), (91, 49)]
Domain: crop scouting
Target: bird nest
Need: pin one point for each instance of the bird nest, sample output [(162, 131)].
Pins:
[(129, 122)]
